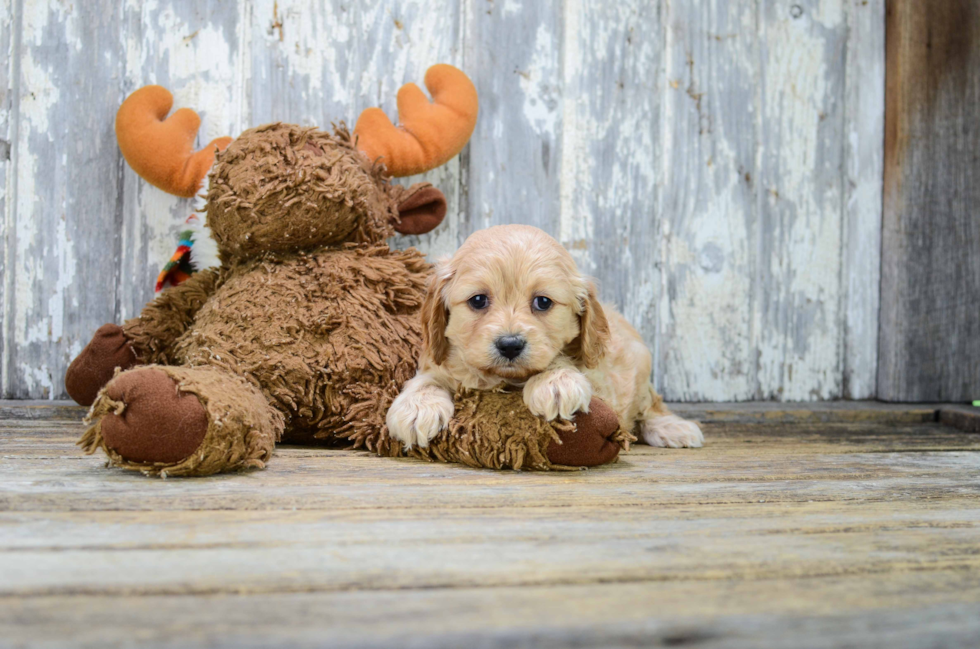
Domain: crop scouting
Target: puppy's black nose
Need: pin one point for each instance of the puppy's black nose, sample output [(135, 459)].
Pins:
[(510, 347)]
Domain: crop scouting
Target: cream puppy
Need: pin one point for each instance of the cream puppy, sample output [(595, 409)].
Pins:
[(511, 307)]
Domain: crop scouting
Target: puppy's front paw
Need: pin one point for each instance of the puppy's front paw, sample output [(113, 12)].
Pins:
[(558, 393), (417, 416), (672, 432)]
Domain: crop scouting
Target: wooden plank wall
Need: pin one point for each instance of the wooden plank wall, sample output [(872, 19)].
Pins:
[(716, 165), (930, 285)]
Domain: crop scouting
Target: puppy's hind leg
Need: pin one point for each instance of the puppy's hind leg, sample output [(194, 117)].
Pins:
[(660, 427)]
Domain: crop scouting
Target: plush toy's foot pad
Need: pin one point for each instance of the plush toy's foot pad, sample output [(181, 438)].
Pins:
[(170, 420), (592, 442), (94, 367), (157, 423)]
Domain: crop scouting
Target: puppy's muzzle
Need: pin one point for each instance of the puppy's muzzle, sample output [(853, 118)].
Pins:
[(510, 347)]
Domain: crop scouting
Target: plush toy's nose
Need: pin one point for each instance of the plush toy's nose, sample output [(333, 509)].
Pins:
[(510, 347)]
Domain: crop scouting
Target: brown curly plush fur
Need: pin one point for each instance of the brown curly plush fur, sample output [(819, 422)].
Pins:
[(493, 429), (307, 330), (309, 305), (328, 337), (241, 431)]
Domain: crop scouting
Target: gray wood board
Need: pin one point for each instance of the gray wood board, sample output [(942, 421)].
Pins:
[(713, 164), (930, 281), (810, 534)]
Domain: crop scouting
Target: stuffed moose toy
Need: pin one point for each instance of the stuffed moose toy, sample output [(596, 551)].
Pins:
[(309, 327)]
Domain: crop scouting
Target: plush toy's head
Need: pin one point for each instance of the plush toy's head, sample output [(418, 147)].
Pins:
[(281, 187)]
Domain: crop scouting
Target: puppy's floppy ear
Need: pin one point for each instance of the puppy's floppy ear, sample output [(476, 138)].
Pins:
[(435, 315), (594, 330)]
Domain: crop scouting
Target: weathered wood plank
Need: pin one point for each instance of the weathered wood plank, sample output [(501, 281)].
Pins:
[(16, 410), (741, 464), (610, 151), (798, 294), (117, 552), (512, 173), (895, 610), (662, 192), (856, 533), (864, 120), (61, 269), (965, 418), (709, 214), (300, 57), (765, 412), (8, 108), (99, 531), (930, 282)]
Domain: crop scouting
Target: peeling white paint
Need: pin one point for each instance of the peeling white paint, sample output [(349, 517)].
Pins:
[(512, 7), (864, 120), (39, 381), (539, 82), (63, 285), (799, 354), (577, 224), (39, 98), (709, 204), (707, 126)]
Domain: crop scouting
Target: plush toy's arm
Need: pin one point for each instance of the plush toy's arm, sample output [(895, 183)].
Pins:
[(146, 339), (154, 332)]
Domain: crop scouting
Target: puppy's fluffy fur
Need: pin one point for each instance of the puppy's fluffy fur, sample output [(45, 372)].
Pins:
[(511, 307)]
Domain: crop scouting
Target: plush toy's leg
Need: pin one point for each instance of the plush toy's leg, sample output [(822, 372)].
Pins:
[(495, 430), (594, 440), (94, 367), (170, 421)]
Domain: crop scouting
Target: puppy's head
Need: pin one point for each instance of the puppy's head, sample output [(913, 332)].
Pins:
[(509, 301)]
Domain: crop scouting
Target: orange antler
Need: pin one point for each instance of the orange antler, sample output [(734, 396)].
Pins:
[(430, 134), (162, 151)]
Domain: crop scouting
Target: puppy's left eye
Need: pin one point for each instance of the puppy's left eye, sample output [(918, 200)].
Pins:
[(478, 302), (541, 303)]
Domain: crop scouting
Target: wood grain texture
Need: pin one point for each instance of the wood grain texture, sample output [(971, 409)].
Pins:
[(930, 281), (610, 152), (515, 153), (769, 226), (8, 107), (856, 534), (927, 609), (800, 199), (294, 77), (744, 463), (864, 123), (62, 191), (709, 215), (965, 418), (716, 166)]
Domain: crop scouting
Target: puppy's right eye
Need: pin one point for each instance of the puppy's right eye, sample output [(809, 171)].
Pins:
[(478, 302)]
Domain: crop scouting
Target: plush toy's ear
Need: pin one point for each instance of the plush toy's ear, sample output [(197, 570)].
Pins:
[(430, 133), (594, 330), (161, 150), (420, 210), (435, 316)]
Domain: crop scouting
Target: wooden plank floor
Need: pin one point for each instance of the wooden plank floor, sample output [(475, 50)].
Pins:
[(822, 528)]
